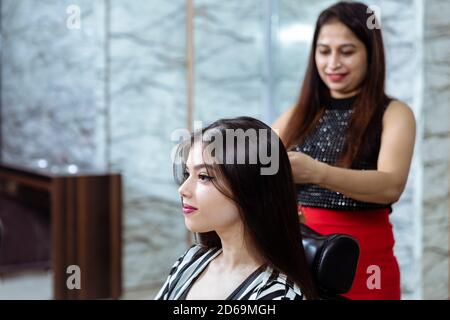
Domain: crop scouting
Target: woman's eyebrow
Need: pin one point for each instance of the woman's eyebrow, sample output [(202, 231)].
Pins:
[(206, 166), (201, 166), (341, 46), (348, 45)]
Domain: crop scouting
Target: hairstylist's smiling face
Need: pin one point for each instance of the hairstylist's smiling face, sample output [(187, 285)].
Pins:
[(341, 59), (205, 208)]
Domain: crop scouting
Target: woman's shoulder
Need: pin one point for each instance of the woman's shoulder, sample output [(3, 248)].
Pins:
[(190, 257), (281, 123), (183, 268), (196, 251), (395, 107), (278, 286), (397, 110)]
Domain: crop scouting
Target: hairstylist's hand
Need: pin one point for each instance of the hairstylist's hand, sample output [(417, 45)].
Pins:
[(305, 169)]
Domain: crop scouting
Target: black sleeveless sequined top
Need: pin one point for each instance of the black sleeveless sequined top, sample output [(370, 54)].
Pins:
[(326, 144)]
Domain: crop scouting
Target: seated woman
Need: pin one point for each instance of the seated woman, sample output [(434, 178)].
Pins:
[(248, 243)]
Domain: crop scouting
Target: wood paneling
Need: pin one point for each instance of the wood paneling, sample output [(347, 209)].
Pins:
[(86, 224)]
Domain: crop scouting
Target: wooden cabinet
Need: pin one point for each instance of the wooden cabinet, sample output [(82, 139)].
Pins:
[(85, 222)]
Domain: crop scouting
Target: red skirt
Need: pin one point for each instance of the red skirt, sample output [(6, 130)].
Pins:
[(378, 274)]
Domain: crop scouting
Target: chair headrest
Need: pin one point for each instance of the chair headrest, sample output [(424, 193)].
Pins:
[(332, 260)]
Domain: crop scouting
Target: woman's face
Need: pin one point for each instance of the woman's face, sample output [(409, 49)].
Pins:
[(341, 59), (204, 207)]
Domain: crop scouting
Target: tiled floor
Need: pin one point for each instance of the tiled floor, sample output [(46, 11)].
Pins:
[(38, 286), (140, 294), (26, 286)]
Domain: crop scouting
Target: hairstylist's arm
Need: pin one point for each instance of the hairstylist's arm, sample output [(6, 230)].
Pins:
[(384, 185), (281, 123)]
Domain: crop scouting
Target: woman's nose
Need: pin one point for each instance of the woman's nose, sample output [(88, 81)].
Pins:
[(334, 61), (183, 190)]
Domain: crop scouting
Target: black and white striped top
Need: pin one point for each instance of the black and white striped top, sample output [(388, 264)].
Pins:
[(263, 284)]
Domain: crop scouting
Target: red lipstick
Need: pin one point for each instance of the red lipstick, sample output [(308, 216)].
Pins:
[(335, 77), (187, 209)]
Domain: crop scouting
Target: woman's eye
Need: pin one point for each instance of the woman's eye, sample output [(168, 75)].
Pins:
[(204, 177), (323, 51), (185, 175), (347, 53)]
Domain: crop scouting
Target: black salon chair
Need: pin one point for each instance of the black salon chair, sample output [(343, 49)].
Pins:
[(332, 260)]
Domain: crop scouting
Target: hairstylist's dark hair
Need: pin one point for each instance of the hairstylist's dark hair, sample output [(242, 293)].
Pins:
[(267, 203), (366, 122)]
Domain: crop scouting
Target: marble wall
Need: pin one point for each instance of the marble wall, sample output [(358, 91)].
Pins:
[(402, 43), (108, 94), (229, 59), (297, 20), (147, 102), (111, 93), (435, 137), (52, 82)]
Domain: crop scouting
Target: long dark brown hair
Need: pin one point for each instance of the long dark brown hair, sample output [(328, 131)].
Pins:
[(267, 203), (366, 123)]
